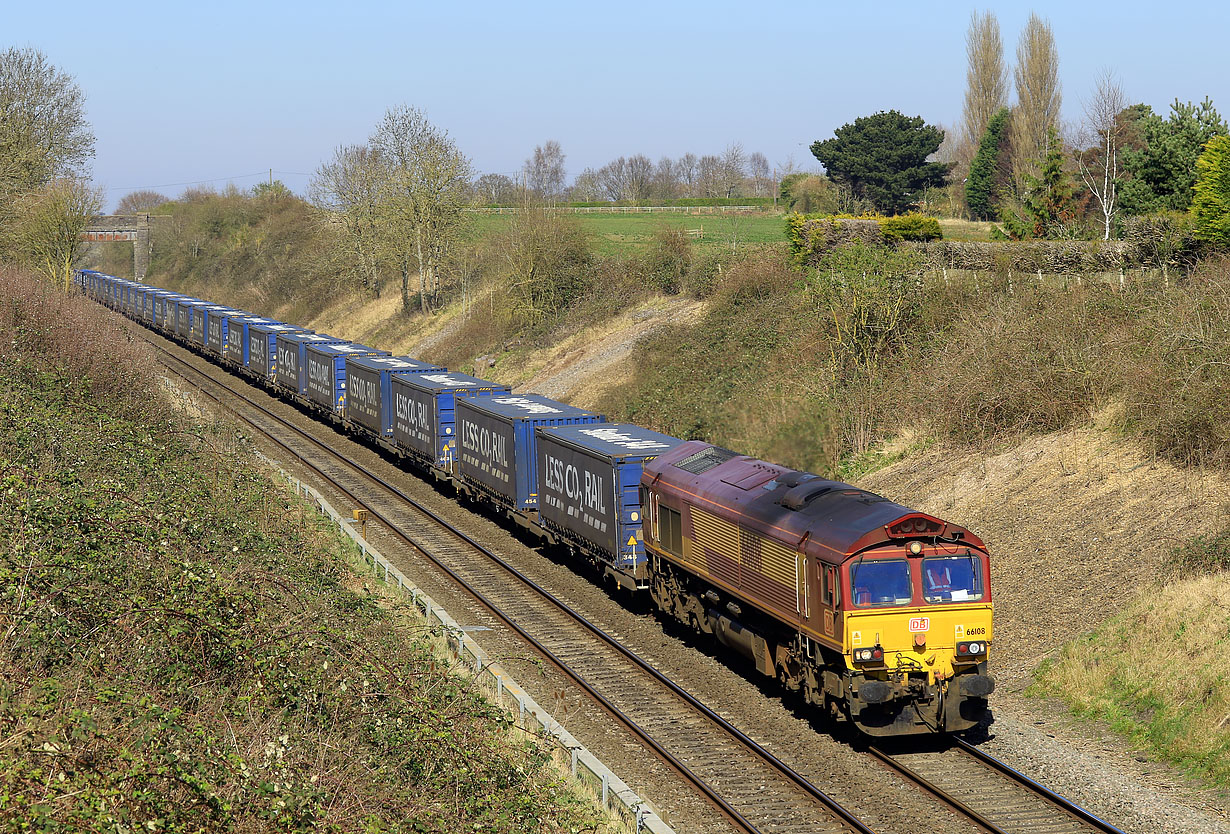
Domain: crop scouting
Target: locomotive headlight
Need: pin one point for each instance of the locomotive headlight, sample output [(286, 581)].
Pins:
[(973, 647), (915, 548), (868, 655)]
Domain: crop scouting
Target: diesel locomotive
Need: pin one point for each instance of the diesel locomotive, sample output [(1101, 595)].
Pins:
[(867, 609), (864, 607)]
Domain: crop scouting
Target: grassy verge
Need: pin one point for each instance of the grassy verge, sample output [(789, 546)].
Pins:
[(182, 647), (1158, 673)]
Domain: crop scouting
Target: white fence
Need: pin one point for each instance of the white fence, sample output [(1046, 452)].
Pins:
[(627, 209), (499, 686)]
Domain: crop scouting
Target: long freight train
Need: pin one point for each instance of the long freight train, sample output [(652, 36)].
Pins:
[(868, 609)]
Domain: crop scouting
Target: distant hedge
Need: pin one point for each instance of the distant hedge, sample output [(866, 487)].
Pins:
[(811, 237), (1154, 241), (761, 202)]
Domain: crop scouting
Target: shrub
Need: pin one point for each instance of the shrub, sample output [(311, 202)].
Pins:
[(911, 227), (1203, 555), (811, 238), (668, 260)]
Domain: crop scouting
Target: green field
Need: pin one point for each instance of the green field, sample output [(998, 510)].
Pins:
[(615, 234), (623, 234)]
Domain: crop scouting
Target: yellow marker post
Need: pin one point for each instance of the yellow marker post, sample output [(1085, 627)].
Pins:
[(361, 517)]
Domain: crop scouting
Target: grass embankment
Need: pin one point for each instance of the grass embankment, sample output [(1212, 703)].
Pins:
[(183, 648), (1159, 673)]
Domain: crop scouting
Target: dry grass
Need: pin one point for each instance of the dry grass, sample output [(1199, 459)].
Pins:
[(93, 352), (1159, 673)]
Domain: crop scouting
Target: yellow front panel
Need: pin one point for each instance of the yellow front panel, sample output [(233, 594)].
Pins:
[(895, 630)]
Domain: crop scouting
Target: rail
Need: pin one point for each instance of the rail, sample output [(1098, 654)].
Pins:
[(499, 686)]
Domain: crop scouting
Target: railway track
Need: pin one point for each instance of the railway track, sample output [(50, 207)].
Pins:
[(750, 787), (992, 795)]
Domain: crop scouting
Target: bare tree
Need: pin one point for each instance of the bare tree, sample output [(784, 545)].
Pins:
[(1038, 94), (1103, 129), (140, 201), (665, 180), (640, 177), (495, 188), (626, 178), (687, 168), (761, 174), (587, 187), (986, 79), (43, 131), (44, 226), (423, 195), (733, 169), (544, 171), (348, 192), (710, 178)]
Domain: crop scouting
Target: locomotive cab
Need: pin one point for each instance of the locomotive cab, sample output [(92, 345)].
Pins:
[(917, 634)]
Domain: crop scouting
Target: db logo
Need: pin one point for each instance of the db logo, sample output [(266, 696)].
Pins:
[(920, 624)]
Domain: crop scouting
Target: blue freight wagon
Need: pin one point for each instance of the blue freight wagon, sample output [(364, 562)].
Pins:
[(165, 311), (199, 317), (216, 327), (369, 390), (149, 300), (326, 373), (291, 370), (496, 456), (184, 308), (236, 348), (424, 408), (263, 347), (589, 492)]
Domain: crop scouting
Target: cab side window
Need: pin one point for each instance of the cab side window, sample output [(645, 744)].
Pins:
[(828, 586)]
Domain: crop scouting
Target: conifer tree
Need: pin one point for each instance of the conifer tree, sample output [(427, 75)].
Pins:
[(1211, 202), (980, 187)]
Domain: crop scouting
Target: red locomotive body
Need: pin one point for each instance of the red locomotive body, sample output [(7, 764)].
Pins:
[(823, 585)]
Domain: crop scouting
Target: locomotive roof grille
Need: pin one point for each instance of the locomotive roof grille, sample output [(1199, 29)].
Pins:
[(705, 459)]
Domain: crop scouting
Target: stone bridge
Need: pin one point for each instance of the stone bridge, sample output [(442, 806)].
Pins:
[(134, 227)]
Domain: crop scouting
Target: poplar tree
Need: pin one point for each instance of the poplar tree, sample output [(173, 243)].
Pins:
[(1038, 95), (986, 79)]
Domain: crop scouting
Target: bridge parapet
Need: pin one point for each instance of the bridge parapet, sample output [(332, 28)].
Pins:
[(124, 227)]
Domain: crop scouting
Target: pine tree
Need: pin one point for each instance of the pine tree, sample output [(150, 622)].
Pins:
[(1047, 209)]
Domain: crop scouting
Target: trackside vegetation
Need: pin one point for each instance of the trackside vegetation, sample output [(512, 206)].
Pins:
[(1157, 672), (183, 648)]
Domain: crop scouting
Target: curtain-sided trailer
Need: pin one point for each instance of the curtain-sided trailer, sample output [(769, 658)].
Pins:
[(496, 454), (424, 413), (370, 396), (589, 493)]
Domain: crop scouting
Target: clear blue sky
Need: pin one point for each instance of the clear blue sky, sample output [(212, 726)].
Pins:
[(181, 92)]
